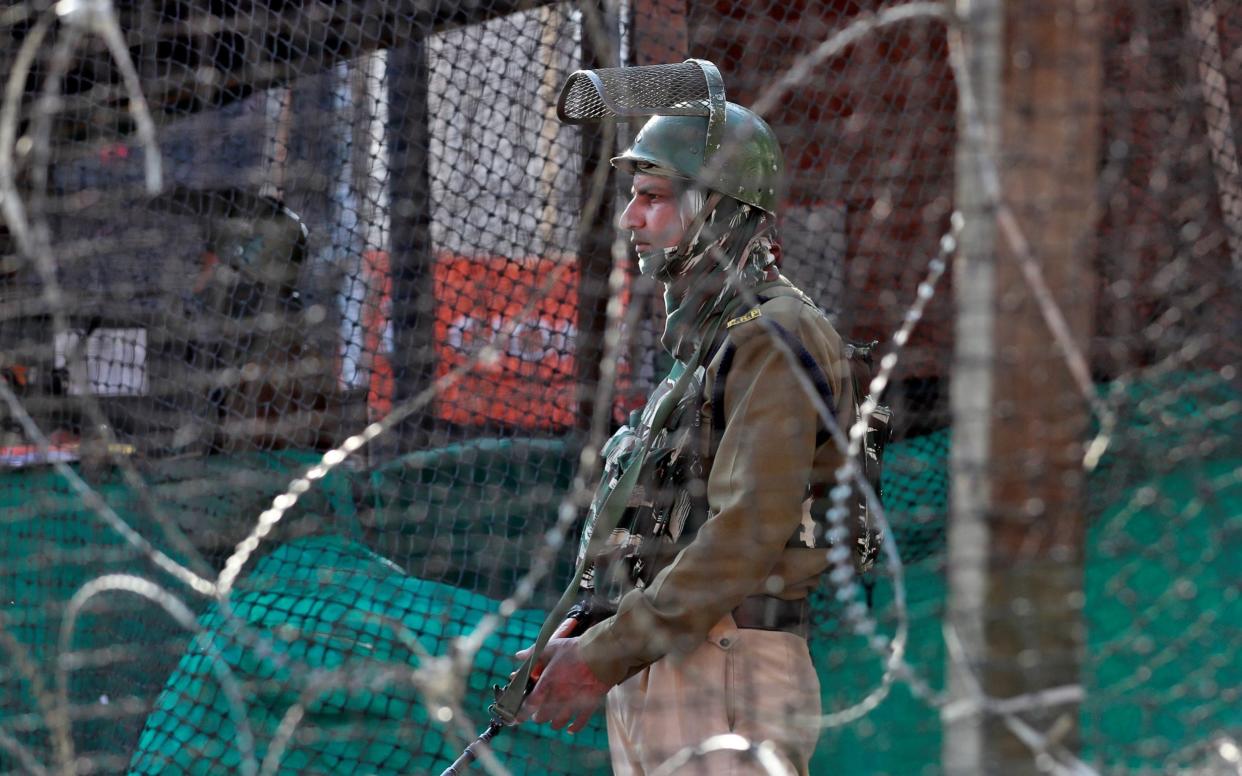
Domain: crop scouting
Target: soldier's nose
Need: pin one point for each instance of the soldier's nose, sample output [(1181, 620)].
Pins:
[(630, 218)]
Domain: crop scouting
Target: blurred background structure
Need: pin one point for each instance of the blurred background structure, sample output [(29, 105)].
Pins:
[(303, 308)]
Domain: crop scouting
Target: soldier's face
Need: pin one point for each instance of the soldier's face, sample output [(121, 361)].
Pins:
[(653, 216)]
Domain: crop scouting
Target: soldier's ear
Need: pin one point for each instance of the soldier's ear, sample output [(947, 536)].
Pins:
[(776, 253)]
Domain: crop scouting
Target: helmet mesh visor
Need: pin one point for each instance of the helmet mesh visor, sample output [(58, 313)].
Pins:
[(670, 90)]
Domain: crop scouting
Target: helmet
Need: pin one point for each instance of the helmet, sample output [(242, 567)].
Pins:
[(745, 163), (693, 133)]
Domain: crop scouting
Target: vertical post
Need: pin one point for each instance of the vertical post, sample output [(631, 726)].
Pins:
[(1019, 609), (412, 259), (1050, 129), (596, 229), (369, 164), (970, 390)]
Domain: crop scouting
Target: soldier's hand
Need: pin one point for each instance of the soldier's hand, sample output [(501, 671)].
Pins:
[(564, 630), (567, 692)]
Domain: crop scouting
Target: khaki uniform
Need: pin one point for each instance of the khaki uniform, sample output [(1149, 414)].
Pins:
[(684, 671)]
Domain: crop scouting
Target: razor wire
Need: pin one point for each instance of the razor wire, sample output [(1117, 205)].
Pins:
[(467, 646), (80, 19), (286, 497)]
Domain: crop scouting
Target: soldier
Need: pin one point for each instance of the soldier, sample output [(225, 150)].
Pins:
[(694, 616)]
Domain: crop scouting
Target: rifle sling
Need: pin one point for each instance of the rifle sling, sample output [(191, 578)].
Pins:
[(509, 698)]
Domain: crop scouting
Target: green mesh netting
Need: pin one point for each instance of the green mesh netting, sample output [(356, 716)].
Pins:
[(327, 602), (324, 604)]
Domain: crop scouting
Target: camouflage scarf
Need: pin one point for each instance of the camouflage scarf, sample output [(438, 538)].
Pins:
[(733, 251)]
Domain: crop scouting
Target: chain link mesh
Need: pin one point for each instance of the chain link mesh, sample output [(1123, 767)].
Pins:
[(302, 330)]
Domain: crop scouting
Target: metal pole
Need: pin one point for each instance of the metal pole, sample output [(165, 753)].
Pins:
[(970, 394), (413, 262), (595, 229)]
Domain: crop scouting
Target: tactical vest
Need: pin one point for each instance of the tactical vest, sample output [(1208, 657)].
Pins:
[(669, 503), (662, 505)]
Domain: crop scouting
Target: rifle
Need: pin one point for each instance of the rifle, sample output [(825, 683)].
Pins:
[(503, 712)]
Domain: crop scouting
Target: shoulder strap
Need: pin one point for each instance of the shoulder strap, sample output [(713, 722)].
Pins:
[(805, 360)]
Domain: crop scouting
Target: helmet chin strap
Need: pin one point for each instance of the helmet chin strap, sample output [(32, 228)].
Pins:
[(664, 264)]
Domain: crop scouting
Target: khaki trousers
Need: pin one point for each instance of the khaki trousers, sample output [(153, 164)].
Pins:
[(757, 684)]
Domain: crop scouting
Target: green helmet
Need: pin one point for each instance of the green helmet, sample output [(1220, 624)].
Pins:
[(745, 162)]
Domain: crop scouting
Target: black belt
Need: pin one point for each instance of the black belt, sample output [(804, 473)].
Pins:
[(765, 612)]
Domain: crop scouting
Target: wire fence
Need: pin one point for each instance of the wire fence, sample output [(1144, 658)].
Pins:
[(314, 317)]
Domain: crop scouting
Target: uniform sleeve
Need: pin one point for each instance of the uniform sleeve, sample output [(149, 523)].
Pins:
[(755, 491)]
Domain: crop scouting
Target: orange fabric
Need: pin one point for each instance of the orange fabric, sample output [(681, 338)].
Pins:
[(527, 308)]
